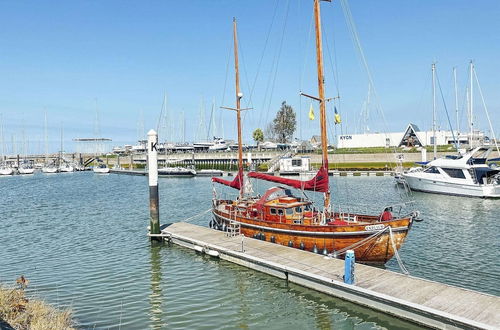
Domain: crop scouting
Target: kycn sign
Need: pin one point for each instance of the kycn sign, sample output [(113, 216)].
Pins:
[(346, 137)]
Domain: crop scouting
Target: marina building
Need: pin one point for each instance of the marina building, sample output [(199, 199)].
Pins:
[(412, 136)]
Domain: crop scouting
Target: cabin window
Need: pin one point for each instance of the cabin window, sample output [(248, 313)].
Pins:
[(273, 211), (307, 207), (297, 221), (289, 211), (280, 212), (298, 209), (455, 173), (296, 162), (432, 169)]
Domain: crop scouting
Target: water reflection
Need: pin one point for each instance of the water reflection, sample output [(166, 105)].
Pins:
[(156, 295)]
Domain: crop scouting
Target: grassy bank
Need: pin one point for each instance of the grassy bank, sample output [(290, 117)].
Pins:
[(363, 166), (383, 150), (18, 311)]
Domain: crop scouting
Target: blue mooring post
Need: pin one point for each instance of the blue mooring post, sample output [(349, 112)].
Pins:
[(154, 213), (349, 267)]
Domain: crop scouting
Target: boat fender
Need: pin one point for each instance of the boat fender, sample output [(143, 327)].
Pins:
[(325, 251), (290, 243), (210, 224), (213, 253), (273, 239), (224, 228), (315, 249), (263, 236), (302, 246)]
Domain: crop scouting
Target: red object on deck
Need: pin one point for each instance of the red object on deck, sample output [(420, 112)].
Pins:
[(318, 183), (237, 182), (386, 216)]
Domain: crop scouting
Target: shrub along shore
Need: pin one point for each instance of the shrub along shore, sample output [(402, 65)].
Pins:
[(18, 311)]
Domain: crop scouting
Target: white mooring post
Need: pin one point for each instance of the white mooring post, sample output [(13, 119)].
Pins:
[(154, 213)]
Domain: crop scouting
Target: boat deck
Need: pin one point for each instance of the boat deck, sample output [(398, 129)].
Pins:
[(421, 301)]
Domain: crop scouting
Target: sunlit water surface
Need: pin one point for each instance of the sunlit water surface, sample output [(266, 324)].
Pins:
[(81, 240)]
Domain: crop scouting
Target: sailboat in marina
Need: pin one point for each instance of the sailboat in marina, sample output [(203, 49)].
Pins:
[(64, 165), (99, 166), (4, 168), (48, 167), (281, 217), (25, 166)]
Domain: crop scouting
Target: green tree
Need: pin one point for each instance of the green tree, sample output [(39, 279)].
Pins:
[(284, 124), (258, 135)]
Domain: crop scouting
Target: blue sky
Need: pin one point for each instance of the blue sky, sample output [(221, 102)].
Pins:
[(60, 57)]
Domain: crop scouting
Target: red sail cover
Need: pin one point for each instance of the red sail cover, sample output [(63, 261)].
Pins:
[(236, 183), (318, 183)]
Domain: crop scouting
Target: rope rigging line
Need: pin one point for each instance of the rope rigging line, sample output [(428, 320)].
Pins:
[(259, 65), (272, 77), (227, 73), (486, 110), (355, 36), (446, 110), (197, 215)]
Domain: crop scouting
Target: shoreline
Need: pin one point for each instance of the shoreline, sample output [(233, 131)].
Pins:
[(18, 310)]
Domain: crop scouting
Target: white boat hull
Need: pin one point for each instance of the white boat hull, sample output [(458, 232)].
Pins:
[(6, 171), (176, 171), (67, 169), (101, 170), (450, 188), (23, 170), (49, 169)]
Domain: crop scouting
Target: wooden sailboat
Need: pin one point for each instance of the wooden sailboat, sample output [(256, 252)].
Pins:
[(281, 217)]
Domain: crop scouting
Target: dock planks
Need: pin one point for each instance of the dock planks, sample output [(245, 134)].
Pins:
[(422, 301)]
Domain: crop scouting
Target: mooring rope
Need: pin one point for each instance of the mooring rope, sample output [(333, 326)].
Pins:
[(196, 216), (360, 243), (398, 258)]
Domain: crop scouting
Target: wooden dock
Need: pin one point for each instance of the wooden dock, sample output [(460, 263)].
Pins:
[(421, 301)]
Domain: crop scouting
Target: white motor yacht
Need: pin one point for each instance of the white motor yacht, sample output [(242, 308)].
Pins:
[(49, 169), (26, 169), (66, 168), (101, 169), (464, 175), (219, 144), (176, 171), (5, 170)]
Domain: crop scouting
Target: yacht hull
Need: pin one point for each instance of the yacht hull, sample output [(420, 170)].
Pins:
[(450, 188), (101, 170), (326, 238), (26, 170), (6, 171)]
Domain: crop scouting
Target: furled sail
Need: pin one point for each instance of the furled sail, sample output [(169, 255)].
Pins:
[(236, 183), (318, 183)]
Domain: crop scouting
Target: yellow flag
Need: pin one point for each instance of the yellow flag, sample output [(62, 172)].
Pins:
[(311, 112), (337, 116)]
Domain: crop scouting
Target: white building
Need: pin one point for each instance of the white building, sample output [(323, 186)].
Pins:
[(411, 137), (294, 164)]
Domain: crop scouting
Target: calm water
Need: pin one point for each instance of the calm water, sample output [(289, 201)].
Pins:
[(80, 239)]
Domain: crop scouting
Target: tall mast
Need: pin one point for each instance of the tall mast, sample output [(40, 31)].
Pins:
[(46, 140), (456, 105), (321, 91), (434, 108), (471, 110), (239, 95)]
